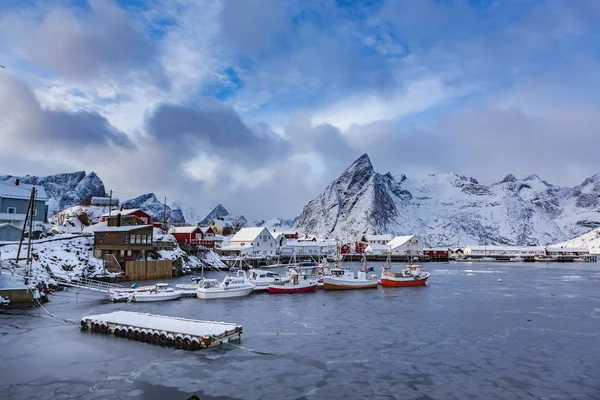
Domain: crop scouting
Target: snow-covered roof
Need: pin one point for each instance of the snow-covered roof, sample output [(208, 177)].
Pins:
[(248, 234), (122, 228), (183, 229), (21, 191), (435, 249), (124, 212), (506, 248), (291, 244), (567, 249), (11, 282), (387, 237), (378, 247), (399, 241), (236, 248), (7, 224)]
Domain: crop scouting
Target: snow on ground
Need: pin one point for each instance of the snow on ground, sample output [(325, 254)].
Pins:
[(590, 240)]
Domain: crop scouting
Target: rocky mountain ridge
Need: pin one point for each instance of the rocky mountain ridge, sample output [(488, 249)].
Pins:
[(451, 210)]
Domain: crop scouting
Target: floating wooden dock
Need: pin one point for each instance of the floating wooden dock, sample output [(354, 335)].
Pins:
[(182, 333)]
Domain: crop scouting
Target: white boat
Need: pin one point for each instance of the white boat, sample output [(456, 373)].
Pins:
[(516, 259), (262, 279), (231, 286), (161, 292), (344, 279), (545, 258), (189, 289), (298, 280), (489, 259)]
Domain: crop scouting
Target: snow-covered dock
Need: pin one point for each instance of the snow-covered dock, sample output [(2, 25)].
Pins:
[(182, 333)]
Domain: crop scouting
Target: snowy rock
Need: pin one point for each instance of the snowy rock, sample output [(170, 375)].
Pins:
[(221, 213), (150, 204), (451, 210), (65, 190), (590, 240)]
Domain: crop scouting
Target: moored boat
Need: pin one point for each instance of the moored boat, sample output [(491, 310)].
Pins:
[(262, 279), (299, 280), (411, 275), (161, 292), (189, 289), (545, 258), (342, 278), (516, 259), (231, 286)]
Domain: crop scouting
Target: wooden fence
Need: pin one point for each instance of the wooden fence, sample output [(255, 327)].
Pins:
[(151, 269)]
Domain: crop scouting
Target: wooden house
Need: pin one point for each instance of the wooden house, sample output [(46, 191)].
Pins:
[(144, 216)]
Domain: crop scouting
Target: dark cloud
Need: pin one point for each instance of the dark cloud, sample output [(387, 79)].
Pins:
[(24, 123), (214, 127), (102, 38)]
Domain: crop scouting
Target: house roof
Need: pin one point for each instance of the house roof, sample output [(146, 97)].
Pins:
[(127, 228), (378, 247), (7, 224), (124, 212), (554, 249), (387, 237), (506, 248), (399, 241), (22, 191), (248, 234), (183, 229)]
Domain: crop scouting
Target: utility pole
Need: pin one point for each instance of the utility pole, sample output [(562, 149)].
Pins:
[(165, 213), (31, 197), (32, 214), (110, 203)]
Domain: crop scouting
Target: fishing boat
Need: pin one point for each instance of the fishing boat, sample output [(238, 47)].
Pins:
[(545, 258), (231, 286), (262, 279), (344, 279), (189, 289), (298, 280), (488, 259), (516, 259), (161, 292), (411, 275)]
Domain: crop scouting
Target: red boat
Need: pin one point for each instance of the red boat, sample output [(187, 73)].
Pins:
[(297, 283), (411, 275)]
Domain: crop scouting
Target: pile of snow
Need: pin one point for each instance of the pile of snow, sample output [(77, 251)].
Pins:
[(590, 241), (76, 219)]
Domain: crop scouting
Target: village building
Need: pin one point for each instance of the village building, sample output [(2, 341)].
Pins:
[(508, 251), (195, 235), (252, 242), (14, 202), (405, 245), (289, 234), (145, 217), (315, 249), (124, 220), (436, 253), (9, 232), (119, 244), (221, 227), (567, 251), (104, 201)]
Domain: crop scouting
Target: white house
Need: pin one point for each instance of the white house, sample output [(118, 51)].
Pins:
[(567, 251), (504, 250), (252, 241), (316, 248), (379, 239), (402, 245), (377, 249)]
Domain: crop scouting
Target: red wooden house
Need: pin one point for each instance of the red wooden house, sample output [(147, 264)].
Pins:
[(145, 217), (195, 235), (360, 247)]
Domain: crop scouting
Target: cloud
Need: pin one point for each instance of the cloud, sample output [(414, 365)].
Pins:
[(214, 127), (83, 43), (24, 124)]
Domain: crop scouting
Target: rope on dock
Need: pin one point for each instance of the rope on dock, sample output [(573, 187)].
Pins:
[(66, 320)]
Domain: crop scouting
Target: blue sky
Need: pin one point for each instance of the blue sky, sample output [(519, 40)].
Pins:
[(220, 101)]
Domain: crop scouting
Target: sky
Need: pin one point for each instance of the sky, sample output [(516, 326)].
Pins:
[(259, 104)]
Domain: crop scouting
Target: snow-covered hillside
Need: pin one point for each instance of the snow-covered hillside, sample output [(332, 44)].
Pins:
[(276, 223), (65, 190), (590, 240), (150, 204), (76, 219), (450, 210)]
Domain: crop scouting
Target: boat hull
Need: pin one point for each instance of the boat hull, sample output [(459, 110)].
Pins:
[(404, 282), (208, 294), (292, 289), (149, 298), (345, 284)]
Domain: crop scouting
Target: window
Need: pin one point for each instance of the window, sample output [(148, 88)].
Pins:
[(144, 220), (100, 239), (11, 210), (126, 239), (128, 253), (122, 253), (198, 236), (257, 244)]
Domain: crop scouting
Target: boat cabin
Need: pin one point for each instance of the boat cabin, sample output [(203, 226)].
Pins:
[(342, 273)]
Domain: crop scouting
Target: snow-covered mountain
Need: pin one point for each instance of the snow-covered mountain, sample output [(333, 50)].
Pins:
[(276, 223), (65, 190), (450, 210), (150, 204), (221, 213), (589, 240)]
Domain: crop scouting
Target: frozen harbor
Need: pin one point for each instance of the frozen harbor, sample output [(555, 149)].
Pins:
[(534, 335)]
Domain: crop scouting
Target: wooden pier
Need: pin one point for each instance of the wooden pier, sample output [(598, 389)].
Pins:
[(181, 333)]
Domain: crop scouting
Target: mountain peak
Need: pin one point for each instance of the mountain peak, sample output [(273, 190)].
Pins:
[(218, 212), (510, 178), (362, 163)]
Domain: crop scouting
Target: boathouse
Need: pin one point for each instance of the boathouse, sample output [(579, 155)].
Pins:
[(405, 245)]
